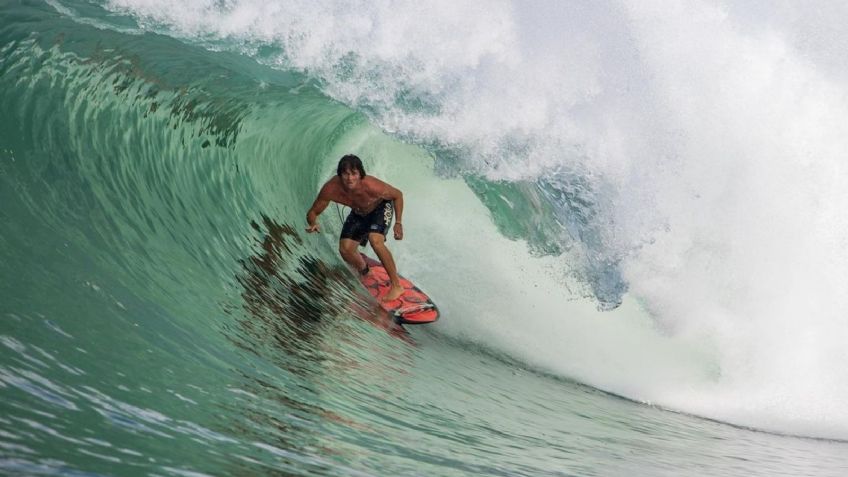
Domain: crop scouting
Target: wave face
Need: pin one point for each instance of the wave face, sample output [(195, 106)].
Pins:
[(643, 198)]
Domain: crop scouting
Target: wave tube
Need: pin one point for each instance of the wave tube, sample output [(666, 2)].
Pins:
[(684, 163)]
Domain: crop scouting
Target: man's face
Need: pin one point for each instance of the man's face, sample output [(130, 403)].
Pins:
[(351, 179)]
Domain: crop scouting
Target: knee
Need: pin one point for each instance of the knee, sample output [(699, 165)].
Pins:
[(346, 252), (376, 240)]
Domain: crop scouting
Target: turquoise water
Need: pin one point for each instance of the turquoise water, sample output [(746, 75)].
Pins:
[(163, 312)]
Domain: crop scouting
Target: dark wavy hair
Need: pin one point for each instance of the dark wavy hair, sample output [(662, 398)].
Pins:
[(349, 163)]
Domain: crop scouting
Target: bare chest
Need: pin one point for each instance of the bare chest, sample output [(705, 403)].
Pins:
[(362, 201)]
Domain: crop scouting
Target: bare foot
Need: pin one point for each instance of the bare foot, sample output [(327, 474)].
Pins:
[(395, 292)]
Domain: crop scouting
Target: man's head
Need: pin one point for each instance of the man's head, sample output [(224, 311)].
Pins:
[(350, 163), (350, 171)]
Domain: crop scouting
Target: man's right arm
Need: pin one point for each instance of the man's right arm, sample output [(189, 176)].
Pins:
[(321, 203)]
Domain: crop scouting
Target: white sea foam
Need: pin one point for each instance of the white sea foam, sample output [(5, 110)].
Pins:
[(717, 130)]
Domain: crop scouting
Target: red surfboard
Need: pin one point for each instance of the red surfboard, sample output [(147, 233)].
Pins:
[(413, 307)]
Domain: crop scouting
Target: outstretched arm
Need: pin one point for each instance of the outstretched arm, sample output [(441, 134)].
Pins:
[(321, 203)]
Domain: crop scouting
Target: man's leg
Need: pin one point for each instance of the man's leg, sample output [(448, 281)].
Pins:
[(378, 243), (348, 248)]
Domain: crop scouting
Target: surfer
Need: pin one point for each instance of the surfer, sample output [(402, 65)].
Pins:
[(372, 203)]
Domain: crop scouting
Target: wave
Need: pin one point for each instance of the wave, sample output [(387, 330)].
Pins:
[(644, 199)]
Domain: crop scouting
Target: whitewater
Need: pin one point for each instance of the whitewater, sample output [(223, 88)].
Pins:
[(629, 213)]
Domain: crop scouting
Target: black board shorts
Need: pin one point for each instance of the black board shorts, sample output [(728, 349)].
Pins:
[(357, 227)]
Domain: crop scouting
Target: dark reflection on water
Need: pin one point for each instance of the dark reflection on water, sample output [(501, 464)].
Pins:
[(300, 314), (287, 294)]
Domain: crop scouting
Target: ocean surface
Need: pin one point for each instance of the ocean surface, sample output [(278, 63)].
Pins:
[(631, 215)]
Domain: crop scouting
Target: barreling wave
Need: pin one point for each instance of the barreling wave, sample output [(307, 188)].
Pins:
[(179, 185), (172, 151)]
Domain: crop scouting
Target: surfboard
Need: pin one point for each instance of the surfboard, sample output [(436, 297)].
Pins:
[(413, 307)]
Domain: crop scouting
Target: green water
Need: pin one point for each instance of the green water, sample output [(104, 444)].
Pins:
[(164, 314)]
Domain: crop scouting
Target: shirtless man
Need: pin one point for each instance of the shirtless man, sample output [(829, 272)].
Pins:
[(370, 200)]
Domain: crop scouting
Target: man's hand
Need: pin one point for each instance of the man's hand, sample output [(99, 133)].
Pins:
[(321, 203), (398, 231)]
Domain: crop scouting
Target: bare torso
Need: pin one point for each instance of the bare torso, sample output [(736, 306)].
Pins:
[(362, 200)]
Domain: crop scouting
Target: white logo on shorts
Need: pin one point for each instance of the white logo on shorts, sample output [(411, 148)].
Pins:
[(387, 213)]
